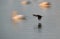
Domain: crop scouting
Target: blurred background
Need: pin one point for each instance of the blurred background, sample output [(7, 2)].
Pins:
[(27, 29)]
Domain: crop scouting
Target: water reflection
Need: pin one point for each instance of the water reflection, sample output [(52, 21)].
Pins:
[(39, 25), (38, 28)]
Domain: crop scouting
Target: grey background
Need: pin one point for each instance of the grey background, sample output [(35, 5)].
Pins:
[(28, 28)]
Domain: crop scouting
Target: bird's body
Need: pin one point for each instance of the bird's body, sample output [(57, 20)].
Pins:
[(44, 5), (25, 2), (38, 16), (16, 18)]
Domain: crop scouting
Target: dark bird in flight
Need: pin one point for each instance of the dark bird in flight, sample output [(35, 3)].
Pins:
[(38, 16)]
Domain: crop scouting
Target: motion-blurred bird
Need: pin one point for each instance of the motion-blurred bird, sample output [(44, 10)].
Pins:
[(44, 5), (25, 2), (38, 16), (16, 18)]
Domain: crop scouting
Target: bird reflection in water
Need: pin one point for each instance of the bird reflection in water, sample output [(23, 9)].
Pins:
[(39, 25), (38, 28)]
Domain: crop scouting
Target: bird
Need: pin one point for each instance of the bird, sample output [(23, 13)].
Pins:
[(44, 5), (38, 16), (25, 2), (16, 18)]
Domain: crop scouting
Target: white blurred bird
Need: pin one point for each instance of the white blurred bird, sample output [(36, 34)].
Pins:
[(44, 5), (16, 18), (25, 2)]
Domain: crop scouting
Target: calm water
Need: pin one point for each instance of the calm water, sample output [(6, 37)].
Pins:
[(28, 28)]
